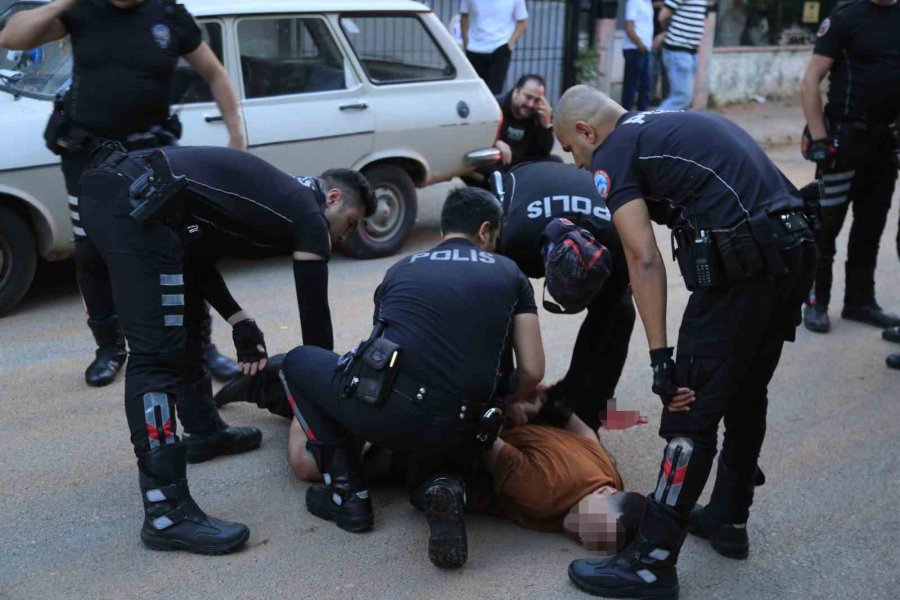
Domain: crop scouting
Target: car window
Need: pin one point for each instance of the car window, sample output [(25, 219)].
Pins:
[(281, 56), (396, 48), (187, 86)]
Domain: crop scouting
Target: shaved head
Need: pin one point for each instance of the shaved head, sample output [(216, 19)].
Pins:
[(583, 119)]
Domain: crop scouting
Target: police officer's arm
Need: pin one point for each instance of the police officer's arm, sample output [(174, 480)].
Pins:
[(810, 96), (645, 268), (311, 281), (29, 29), (210, 69), (529, 350)]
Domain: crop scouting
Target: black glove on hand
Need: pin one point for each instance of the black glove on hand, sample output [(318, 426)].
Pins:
[(663, 374), (820, 151), (248, 339)]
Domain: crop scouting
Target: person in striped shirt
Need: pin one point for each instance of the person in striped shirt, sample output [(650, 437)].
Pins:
[(683, 21)]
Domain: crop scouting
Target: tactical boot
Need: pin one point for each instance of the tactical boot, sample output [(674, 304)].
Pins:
[(228, 440), (443, 503), (220, 366), (729, 540), (871, 314), (343, 497), (110, 355), (891, 334), (172, 520), (645, 569), (893, 361), (264, 389), (815, 318)]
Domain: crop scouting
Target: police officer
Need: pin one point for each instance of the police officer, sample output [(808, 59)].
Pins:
[(424, 380), (858, 47), (526, 132), (160, 219), (534, 195), (746, 252), (124, 57)]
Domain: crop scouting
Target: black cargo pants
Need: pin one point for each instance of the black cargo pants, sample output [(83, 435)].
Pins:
[(159, 310)]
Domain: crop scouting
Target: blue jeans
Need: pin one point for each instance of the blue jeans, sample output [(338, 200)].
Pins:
[(681, 69), (637, 79)]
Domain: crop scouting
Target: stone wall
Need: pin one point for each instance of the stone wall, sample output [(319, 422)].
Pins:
[(740, 74)]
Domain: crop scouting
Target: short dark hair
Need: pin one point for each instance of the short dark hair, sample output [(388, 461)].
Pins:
[(465, 209), (538, 79), (355, 188)]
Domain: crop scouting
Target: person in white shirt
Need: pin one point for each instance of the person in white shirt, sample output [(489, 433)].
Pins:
[(636, 48), (490, 30)]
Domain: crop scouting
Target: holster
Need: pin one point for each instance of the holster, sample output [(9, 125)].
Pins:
[(61, 135), (764, 230), (373, 369), (152, 194), (739, 252)]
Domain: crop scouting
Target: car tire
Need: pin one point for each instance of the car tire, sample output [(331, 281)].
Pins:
[(18, 259), (383, 233)]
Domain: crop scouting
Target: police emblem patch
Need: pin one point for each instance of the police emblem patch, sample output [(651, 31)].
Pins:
[(823, 28), (161, 35), (602, 183)]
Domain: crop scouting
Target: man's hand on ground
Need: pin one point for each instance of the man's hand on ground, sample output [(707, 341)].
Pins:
[(614, 419), (520, 413)]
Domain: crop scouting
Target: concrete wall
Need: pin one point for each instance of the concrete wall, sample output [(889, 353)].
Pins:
[(740, 74)]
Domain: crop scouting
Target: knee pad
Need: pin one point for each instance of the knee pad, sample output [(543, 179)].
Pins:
[(674, 468)]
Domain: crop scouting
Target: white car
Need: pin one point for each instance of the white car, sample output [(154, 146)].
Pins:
[(374, 85)]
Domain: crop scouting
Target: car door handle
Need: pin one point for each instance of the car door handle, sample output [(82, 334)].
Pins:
[(355, 106), (213, 118)]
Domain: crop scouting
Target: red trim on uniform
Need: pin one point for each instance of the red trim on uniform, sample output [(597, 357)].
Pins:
[(153, 432), (679, 472)]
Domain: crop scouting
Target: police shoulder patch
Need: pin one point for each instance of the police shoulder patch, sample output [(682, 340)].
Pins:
[(602, 183), (824, 27)]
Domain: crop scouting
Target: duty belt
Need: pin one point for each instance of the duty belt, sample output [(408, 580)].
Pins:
[(438, 401)]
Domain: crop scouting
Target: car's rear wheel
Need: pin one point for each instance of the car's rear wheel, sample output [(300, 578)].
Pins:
[(18, 259), (384, 232)]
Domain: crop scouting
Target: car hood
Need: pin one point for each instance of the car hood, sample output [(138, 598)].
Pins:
[(22, 122)]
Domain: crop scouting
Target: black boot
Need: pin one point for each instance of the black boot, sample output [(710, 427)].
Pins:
[(220, 366), (645, 569), (893, 361), (815, 318), (443, 502), (891, 334), (264, 389), (724, 520), (729, 540), (110, 354), (343, 498), (871, 314), (172, 520)]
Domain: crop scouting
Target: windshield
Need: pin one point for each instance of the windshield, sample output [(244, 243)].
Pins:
[(39, 72)]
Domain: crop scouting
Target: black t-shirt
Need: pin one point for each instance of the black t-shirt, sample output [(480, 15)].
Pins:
[(528, 139), (123, 63), (535, 194), (246, 208), (451, 310), (698, 164), (863, 38)]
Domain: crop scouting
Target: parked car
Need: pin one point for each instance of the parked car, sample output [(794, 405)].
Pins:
[(375, 85)]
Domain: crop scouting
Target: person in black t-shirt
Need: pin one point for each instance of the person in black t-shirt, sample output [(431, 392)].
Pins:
[(854, 148), (527, 130), (451, 310), (212, 203), (533, 195), (748, 256), (124, 56)]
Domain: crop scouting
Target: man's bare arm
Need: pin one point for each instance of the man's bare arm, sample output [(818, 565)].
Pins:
[(811, 96), (521, 26), (665, 14), (645, 267), (633, 36), (211, 70), (464, 29), (32, 28)]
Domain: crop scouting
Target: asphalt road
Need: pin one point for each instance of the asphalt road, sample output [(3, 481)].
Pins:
[(824, 526)]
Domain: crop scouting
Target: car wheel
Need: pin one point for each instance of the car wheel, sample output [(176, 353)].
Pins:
[(383, 233), (18, 259)]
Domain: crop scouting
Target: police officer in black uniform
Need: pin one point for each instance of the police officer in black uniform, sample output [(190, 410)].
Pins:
[(851, 141), (160, 218), (534, 195), (423, 382), (124, 57), (748, 255)]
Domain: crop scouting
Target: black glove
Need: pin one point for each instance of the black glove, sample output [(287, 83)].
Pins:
[(663, 374), (248, 338), (821, 151)]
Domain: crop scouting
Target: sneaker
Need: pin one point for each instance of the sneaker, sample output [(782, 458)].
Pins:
[(815, 318), (728, 540)]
